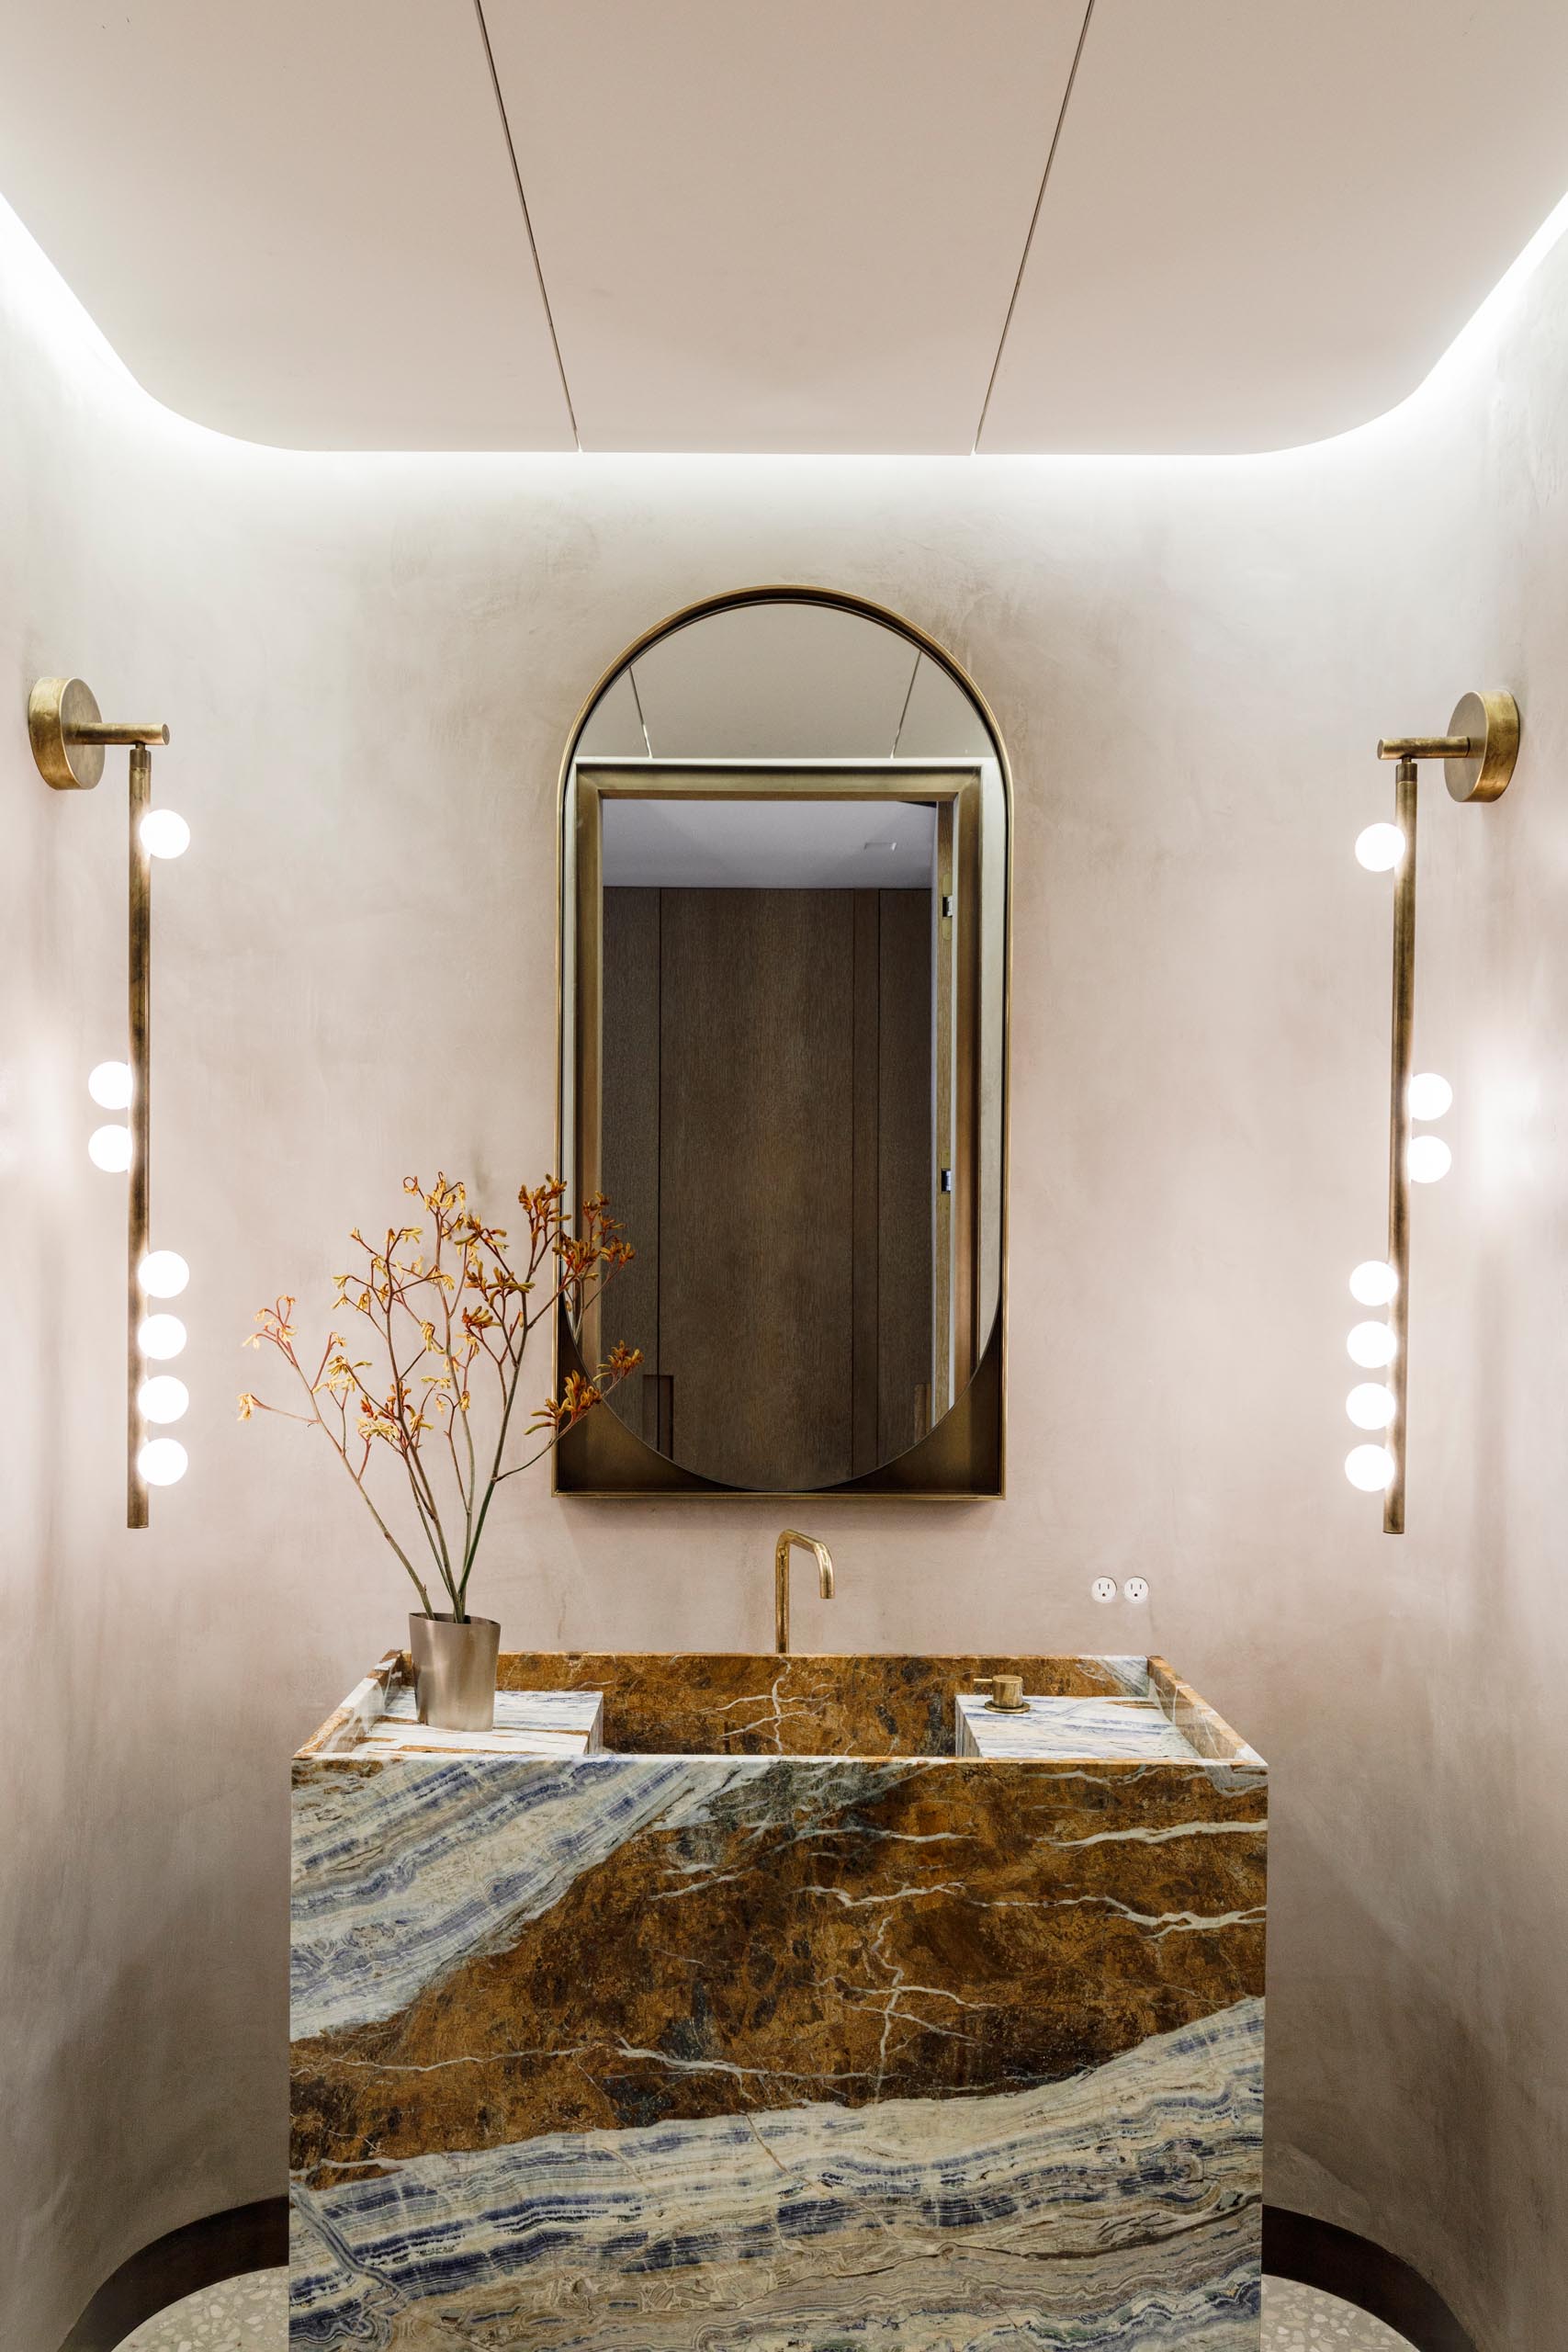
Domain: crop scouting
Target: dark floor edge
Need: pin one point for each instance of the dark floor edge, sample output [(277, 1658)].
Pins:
[(256, 2237), (1318, 2253), (202, 2254)]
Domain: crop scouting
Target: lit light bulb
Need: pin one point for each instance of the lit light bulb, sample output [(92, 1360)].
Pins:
[(1371, 1467), (163, 1460), (1380, 848), (1371, 1404), (163, 1273), (162, 1399), (164, 833), (1371, 1345), (1428, 1159), (161, 1337), (108, 1083), (1374, 1282), (109, 1149), (1430, 1095)]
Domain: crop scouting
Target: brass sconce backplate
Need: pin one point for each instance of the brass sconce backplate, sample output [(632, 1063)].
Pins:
[(57, 709), (1492, 723), (68, 733)]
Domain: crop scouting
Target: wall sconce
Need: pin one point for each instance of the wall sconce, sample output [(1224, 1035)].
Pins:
[(69, 735), (1478, 754)]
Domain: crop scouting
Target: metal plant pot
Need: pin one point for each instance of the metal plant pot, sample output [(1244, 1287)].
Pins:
[(454, 1671)]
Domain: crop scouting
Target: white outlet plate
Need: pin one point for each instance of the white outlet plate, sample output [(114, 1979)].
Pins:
[(1104, 1587), (1135, 1590)]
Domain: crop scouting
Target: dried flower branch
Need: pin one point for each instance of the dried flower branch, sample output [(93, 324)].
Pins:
[(449, 1328)]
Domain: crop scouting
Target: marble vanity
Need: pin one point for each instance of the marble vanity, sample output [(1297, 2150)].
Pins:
[(783, 2004)]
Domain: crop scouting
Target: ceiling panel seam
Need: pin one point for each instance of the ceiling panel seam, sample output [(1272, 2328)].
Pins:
[(527, 223), (631, 674), (1033, 224), (903, 715)]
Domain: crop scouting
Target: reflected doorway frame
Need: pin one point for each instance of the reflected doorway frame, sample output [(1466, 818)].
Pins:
[(963, 1457)]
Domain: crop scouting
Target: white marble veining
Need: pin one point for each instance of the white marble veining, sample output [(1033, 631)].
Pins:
[(579, 1712), (527, 1723), (1137, 1728)]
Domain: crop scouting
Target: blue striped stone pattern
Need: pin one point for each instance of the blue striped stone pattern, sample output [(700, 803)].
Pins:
[(1116, 2206)]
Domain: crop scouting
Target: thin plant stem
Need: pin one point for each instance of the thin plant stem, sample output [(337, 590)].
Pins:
[(498, 1309)]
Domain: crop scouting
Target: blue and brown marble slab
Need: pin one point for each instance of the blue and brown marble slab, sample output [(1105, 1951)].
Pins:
[(809, 2046)]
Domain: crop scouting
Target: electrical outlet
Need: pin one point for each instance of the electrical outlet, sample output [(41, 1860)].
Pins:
[(1104, 1587), (1135, 1590)]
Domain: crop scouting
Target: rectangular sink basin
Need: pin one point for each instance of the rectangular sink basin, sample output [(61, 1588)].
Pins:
[(734, 1703), (772, 2023)]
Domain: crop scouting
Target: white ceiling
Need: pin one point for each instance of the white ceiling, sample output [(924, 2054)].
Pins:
[(1266, 220), (796, 228), (769, 844)]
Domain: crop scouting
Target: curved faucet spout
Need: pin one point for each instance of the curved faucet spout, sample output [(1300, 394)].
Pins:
[(792, 1535)]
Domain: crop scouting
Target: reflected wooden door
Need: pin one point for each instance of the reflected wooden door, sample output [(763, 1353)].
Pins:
[(768, 1145), (756, 1178)]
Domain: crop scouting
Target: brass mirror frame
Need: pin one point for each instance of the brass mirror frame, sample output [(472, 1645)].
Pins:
[(962, 1458)]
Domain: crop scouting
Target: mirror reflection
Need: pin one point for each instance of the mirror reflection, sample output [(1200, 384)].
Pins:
[(784, 860)]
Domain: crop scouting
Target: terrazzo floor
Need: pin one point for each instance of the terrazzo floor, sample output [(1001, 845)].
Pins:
[(249, 2316)]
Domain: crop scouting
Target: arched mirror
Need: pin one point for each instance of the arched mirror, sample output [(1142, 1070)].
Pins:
[(784, 863)]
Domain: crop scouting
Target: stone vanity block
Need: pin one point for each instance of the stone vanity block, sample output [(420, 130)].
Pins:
[(774, 2024)]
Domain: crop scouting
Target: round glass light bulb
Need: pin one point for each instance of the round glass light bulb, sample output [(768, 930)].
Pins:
[(162, 1399), (1371, 1404), (1374, 1282), (164, 833), (161, 1337), (1380, 848), (161, 1460), (1430, 1095), (108, 1083), (1428, 1159), (109, 1149), (1371, 1467), (163, 1273), (1371, 1345)]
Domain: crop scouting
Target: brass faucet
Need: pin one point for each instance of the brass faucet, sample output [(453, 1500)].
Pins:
[(780, 1581), (1006, 1693)]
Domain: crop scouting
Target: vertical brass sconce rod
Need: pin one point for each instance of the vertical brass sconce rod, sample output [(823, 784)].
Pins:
[(139, 967), (1478, 754), (69, 734), (1402, 1030)]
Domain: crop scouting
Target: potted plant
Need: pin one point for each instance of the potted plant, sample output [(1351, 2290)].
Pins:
[(447, 1325)]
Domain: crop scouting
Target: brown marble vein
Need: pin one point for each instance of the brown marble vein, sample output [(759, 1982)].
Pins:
[(738, 1703)]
